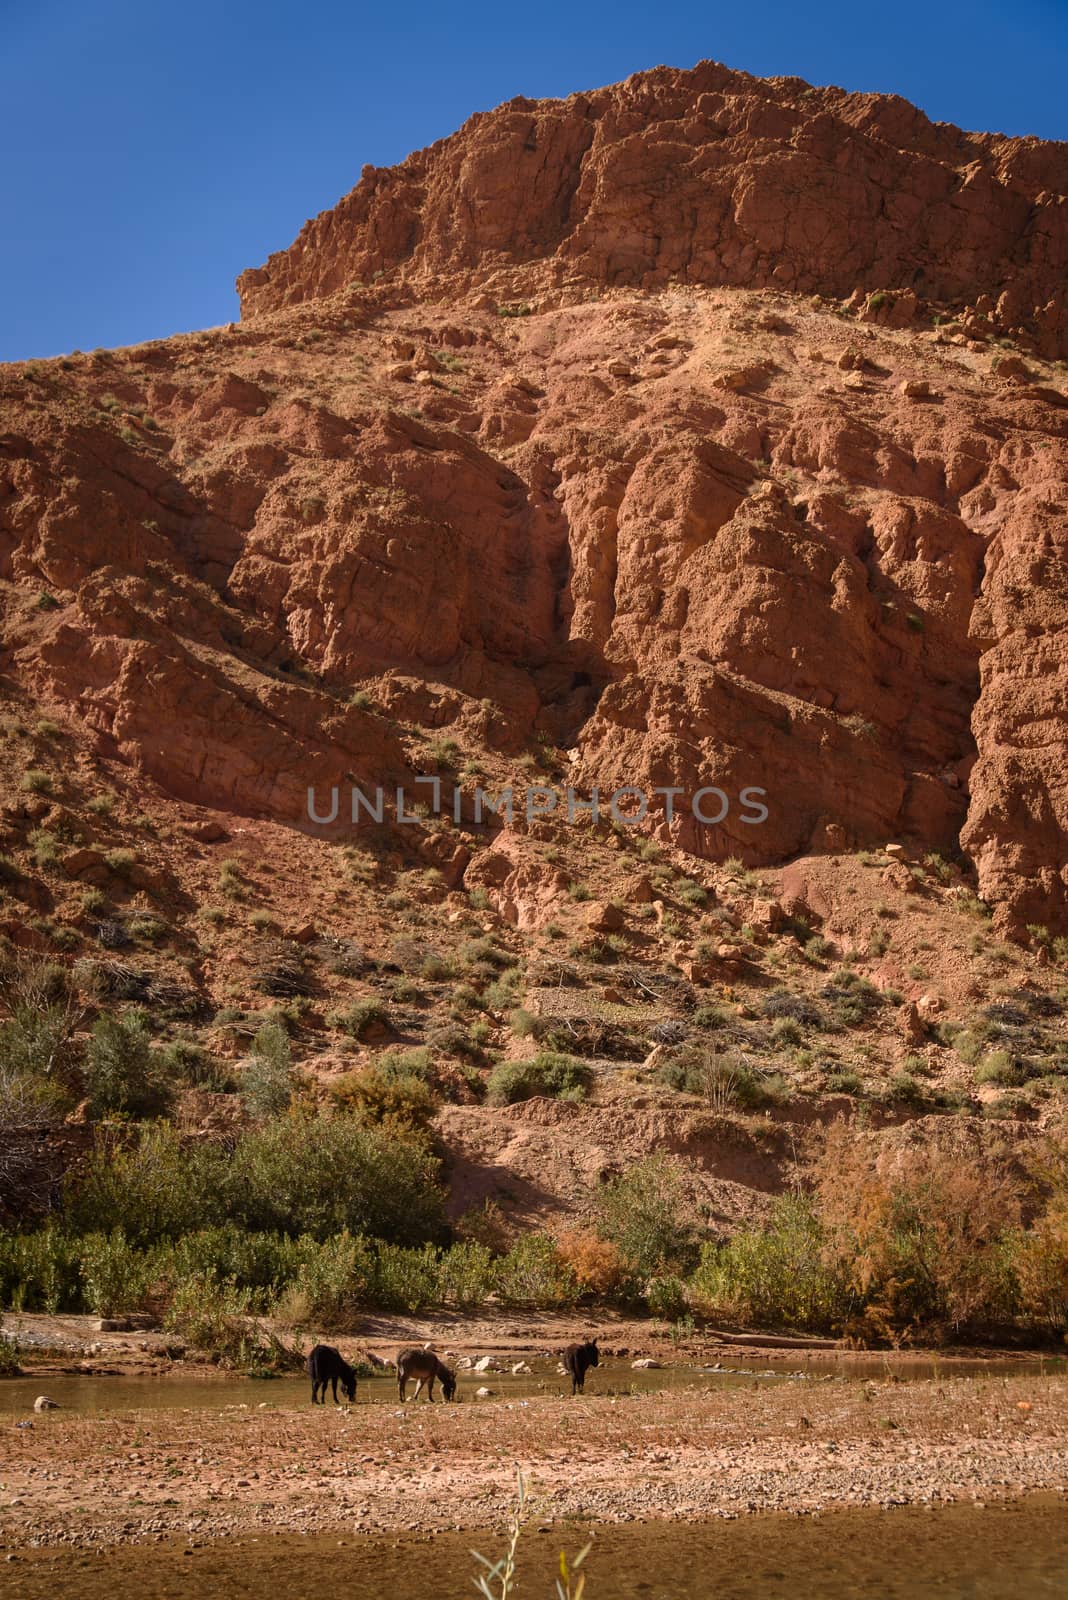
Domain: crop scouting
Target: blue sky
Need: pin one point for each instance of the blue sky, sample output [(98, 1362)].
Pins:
[(151, 152)]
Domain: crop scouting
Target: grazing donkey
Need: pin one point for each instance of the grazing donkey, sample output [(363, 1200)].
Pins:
[(327, 1365), (578, 1358), (424, 1366)]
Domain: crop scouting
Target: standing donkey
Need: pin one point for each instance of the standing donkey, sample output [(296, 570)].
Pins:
[(578, 1358), (425, 1367)]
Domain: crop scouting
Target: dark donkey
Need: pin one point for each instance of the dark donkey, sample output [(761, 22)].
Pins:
[(424, 1366), (327, 1365), (578, 1358)]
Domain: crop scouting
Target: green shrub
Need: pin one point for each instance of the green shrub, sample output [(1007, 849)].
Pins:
[(998, 1066), (190, 1062), (334, 1280), (642, 1213), (526, 1025), (842, 1080), (358, 1019), (37, 1041), (9, 1354), (35, 781), (852, 998), (155, 1186), (121, 861), (666, 1297), (39, 1271), (122, 1072), (466, 1275), (548, 1073), (45, 847), (774, 1275), (114, 1273), (267, 1080), (213, 1315), (785, 1034), (399, 1101), (320, 1175), (406, 1279), (727, 1082), (533, 1273), (904, 1088), (692, 894)]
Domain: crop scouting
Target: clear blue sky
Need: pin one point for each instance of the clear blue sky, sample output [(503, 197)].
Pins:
[(150, 151)]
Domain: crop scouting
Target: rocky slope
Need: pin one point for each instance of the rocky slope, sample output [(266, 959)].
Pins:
[(735, 455)]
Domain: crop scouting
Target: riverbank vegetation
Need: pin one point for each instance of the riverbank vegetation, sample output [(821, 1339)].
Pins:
[(313, 1220), (314, 1206)]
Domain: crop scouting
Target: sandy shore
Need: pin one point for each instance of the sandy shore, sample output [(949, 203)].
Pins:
[(93, 1480)]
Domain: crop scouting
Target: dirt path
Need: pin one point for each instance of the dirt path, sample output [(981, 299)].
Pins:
[(690, 1452)]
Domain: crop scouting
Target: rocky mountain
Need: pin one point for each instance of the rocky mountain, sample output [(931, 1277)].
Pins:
[(695, 434), (706, 428)]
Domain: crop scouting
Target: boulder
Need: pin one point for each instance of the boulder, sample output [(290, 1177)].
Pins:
[(601, 916)]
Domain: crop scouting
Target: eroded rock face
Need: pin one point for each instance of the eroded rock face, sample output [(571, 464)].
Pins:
[(711, 177), (685, 537)]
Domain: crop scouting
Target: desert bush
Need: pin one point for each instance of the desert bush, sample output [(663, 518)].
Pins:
[(320, 1175), (533, 1273), (526, 1025), (39, 1271), (549, 1073), (405, 1278), (466, 1275), (114, 1273), (214, 1315), (153, 1186), (267, 1080), (597, 1263), (642, 1213), (666, 1297), (122, 1071), (186, 1060), (841, 1080), (30, 1103), (921, 1243), (9, 1354), (358, 1019), (711, 1017), (333, 1280), (264, 1261), (774, 1275), (483, 952), (44, 1013), (1039, 1256), (691, 893), (726, 1082), (998, 1066), (852, 998), (393, 1100)]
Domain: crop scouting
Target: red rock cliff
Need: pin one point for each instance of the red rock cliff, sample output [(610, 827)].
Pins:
[(709, 177)]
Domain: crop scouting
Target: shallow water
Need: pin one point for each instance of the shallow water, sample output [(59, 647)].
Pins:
[(1011, 1551), (194, 1389)]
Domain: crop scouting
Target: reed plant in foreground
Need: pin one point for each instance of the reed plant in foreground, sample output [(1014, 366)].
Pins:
[(497, 1582)]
